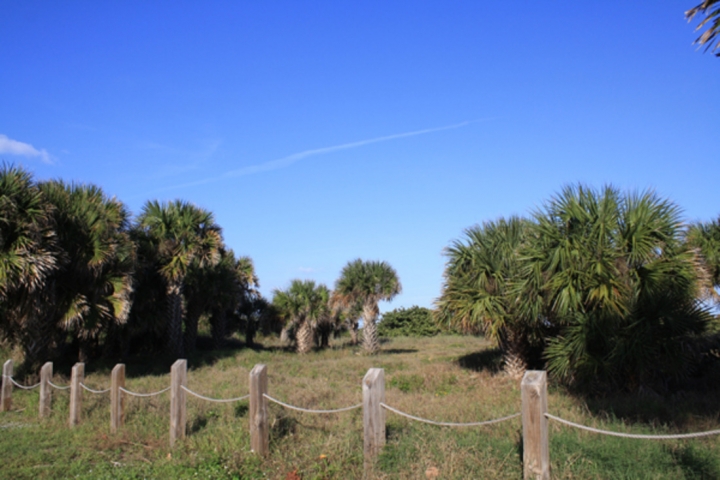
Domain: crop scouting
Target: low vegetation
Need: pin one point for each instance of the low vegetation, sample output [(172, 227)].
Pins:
[(444, 377)]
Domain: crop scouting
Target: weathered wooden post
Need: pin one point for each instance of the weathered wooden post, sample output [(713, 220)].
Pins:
[(46, 373), (7, 387), (76, 378), (178, 415), (373, 389), (536, 450), (117, 401), (259, 425)]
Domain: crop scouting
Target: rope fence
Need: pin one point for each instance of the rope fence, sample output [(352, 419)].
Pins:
[(449, 424), (99, 392), (533, 388), (24, 387), (307, 410), (58, 387), (137, 394), (632, 435), (216, 400)]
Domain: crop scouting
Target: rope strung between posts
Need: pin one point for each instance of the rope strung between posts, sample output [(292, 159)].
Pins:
[(24, 387), (14, 425), (449, 424), (135, 394), (58, 386), (306, 410), (217, 400), (632, 435), (93, 391)]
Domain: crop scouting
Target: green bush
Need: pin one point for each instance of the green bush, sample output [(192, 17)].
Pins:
[(413, 322)]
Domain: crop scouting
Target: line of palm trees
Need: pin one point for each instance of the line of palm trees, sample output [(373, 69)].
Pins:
[(75, 271), (599, 287), (311, 311)]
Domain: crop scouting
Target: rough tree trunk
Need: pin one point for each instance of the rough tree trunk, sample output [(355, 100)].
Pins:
[(192, 318), (249, 333), (370, 341), (218, 326), (304, 337), (353, 328), (174, 320), (514, 355)]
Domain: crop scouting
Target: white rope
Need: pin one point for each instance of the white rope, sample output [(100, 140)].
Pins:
[(93, 391), (449, 424), (58, 386), (292, 407), (217, 400), (14, 425), (134, 394), (23, 386), (633, 435)]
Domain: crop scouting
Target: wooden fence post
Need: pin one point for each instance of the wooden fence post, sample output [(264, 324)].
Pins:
[(7, 387), (76, 378), (46, 373), (178, 415), (373, 389), (536, 450), (259, 425), (117, 401)]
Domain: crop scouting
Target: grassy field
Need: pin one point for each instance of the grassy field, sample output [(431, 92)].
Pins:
[(444, 378)]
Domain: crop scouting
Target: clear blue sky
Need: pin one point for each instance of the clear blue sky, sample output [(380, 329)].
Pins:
[(320, 132)]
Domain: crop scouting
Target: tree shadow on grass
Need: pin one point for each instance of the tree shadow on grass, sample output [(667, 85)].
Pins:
[(143, 363), (680, 410), (694, 462), (484, 360)]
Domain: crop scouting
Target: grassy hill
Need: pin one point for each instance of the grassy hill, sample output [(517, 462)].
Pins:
[(446, 378)]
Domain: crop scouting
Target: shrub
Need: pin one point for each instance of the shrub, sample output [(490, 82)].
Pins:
[(411, 322)]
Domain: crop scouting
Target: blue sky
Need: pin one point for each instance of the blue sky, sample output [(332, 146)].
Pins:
[(320, 132)]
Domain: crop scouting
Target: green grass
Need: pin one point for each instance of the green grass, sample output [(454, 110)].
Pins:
[(443, 378)]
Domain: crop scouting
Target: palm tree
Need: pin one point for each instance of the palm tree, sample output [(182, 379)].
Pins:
[(366, 283), (610, 275), (302, 305), (94, 281), (477, 296), (28, 257), (705, 239), (185, 237), (711, 10)]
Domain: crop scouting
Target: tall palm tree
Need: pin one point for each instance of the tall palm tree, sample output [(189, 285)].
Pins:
[(302, 305), (28, 257), (477, 294), (93, 285), (711, 10), (185, 237), (367, 283)]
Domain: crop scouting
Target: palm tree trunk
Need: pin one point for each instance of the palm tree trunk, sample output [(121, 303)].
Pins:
[(353, 328), (192, 318), (370, 341), (250, 329), (514, 355), (218, 326), (285, 335), (174, 320), (304, 337)]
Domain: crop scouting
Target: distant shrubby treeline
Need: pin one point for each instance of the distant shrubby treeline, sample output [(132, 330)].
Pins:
[(411, 322), (80, 277), (77, 274), (601, 288)]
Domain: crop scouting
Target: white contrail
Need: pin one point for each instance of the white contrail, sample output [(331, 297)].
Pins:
[(290, 159)]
